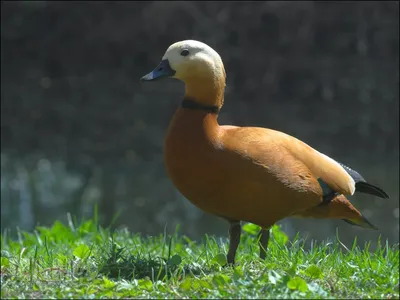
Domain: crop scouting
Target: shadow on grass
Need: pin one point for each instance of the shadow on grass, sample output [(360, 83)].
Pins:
[(118, 265)]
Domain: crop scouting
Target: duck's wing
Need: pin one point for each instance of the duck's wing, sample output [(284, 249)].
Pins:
[(333, 173), (267, 146), (339, 208), (289, 156), (327, 170)]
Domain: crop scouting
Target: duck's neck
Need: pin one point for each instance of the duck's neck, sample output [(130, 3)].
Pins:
[(192, 126), (192, 104), (206, 92)]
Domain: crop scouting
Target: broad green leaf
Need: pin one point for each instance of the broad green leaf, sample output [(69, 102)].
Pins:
[(5, 262), (205, 284), (108, 283), (314, 272), (186, 284), (237, 273), (175, 260), (251, 228), (297, 283), (58, 228), (61, 232), (106, 295), (279, 236), (195, 284), (29, 239), (44, 232), (220, 279), (162, 288), (86, 227), (145, 284), (220, 259), (82, 251)]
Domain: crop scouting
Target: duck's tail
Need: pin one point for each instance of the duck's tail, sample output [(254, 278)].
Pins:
[(338, 208), (363, 186), (367, 188), (361, 222)]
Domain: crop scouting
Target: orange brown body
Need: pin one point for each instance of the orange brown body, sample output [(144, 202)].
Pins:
[(248, 174)]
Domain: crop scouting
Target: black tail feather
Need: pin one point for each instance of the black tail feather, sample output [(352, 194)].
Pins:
[(367, 188), (363, 186)]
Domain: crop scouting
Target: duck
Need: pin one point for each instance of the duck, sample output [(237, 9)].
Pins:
[(246, 174)]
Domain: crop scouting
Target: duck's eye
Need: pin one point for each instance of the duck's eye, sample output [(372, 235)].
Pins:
[(185, 52)]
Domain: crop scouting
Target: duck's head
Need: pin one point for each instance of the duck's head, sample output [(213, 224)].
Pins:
[(196, 64)]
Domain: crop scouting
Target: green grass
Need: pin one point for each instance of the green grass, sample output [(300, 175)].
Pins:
[(86, 261)]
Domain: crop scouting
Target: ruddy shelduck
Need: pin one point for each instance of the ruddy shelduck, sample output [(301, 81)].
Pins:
[(250, 174)]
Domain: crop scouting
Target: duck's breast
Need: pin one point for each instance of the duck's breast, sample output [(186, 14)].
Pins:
[(192, 154)]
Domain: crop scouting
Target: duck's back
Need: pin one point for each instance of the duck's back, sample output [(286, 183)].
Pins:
[(243, 173), (288, 155)]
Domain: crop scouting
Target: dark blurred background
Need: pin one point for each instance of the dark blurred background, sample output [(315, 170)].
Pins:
[(78, 129)]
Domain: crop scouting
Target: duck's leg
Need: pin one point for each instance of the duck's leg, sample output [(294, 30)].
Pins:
[(263, 238), (234, 239)]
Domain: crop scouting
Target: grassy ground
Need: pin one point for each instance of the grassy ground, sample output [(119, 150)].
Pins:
[(86, 261)]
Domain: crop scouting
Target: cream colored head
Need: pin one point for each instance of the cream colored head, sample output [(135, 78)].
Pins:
[(198, 65), (194, 59)]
